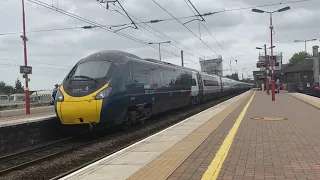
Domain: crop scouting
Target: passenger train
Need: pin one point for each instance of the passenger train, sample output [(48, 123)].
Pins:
[(118, 88)]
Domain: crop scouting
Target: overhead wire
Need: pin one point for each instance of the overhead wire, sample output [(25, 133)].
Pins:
[(185, 27), (194, 19), (201, 21), (35, 62), (40, 3), (43, 30), (170, 19), (4, 64), (165, 36)]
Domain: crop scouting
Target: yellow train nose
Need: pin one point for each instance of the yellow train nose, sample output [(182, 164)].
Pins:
[(80, 112)]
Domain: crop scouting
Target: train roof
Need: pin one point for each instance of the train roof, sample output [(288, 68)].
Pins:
[(110, 55), (122, 57), (168, 64), (174, 65)]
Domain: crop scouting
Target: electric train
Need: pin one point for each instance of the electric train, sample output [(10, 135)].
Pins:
[(118, 88)]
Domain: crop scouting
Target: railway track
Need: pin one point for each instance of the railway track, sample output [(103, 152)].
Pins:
[(35, 155)]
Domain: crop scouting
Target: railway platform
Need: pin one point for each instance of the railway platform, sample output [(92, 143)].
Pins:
[(246, 137), (23, 119), (18, 116)]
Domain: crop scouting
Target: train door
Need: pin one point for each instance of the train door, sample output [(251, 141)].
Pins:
[(221, 87), (200, 84), (195, 86)]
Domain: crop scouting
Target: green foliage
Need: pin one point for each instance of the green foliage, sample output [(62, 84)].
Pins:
[(18, 86), (297, 57), (5, 89), (233, 76)]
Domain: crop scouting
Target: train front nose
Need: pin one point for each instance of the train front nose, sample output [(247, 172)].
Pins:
[(83, 111), (78, 110)]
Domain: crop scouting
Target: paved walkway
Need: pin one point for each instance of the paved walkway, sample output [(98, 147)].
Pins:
[(261, 149)]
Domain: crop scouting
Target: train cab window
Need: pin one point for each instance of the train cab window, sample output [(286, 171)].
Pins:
[(93, 70)]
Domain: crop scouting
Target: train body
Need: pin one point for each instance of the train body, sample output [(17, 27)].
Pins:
[(118, 88)]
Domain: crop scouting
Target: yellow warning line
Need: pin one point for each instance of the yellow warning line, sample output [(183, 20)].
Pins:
[(215, 166)]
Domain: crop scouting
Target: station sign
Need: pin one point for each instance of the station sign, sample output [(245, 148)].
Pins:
[(261, 64), (25, 69)]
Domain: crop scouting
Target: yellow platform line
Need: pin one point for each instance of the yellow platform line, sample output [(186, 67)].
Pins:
[(215, 166)]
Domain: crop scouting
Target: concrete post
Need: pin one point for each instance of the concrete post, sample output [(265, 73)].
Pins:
[(316, 64)]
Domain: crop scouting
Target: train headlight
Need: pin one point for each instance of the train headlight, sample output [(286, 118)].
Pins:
[(59, 96), (104, 93)]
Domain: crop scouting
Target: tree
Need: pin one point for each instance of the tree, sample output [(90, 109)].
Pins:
[(5, 89), (297, 57), (233, 76), (18, 86)]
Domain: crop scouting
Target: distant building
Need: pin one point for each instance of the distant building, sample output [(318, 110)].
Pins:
[(212, 65), (276, 56), (300, 72), (260, 75)]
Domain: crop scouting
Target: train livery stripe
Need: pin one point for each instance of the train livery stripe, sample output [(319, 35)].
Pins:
[(75, 110)]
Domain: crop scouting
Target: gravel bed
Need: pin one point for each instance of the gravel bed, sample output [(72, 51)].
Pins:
[(114, 142)]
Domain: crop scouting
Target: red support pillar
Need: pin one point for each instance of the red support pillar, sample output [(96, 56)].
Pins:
[(267, 69), (27, 93), (272, 60)]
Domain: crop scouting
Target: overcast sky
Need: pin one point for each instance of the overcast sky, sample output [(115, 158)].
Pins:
[(53, 53)]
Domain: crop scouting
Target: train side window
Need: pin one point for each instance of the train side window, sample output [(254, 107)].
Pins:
[(146, 74), (211, 83), (155, 80), (168, 76), (140, 73)]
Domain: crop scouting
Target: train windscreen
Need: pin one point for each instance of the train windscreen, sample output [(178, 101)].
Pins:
[(92, 70)]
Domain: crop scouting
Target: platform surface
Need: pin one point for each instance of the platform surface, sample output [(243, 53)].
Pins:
[(247, 137), (22, 119)]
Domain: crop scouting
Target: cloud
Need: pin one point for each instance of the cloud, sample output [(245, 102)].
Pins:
[(53, 53)]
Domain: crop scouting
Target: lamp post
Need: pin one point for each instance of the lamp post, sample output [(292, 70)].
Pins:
[(267, 66), (271, 39), (305, 42), (159, 47)]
